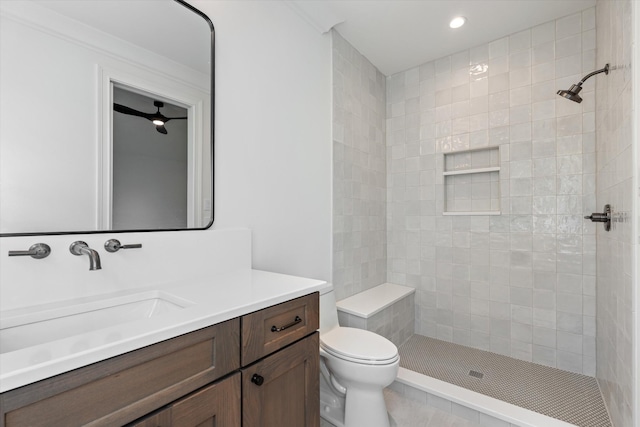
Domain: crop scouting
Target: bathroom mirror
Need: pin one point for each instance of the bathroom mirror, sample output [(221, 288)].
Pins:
[(106, 116)]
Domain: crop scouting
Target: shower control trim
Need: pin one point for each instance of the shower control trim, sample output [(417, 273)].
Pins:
[(604, 217)]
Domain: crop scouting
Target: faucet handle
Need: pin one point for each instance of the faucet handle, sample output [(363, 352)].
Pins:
[(114, 245), (37, 251)]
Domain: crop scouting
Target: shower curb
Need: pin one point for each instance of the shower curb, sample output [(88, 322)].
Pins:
[(475, 407)]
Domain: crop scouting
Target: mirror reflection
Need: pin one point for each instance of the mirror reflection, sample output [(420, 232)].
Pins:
[(105, 116)]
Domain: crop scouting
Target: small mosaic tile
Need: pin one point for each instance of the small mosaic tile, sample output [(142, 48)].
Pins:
[(564, 395)]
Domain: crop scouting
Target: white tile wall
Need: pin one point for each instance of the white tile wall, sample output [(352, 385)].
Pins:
[(522, 283), (614, 285), (395, 322), (359, 168)]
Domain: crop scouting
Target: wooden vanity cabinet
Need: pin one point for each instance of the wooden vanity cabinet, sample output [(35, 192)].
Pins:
[(257, 370), (215, 405), (271, 329), (119, 390), (283, 389)]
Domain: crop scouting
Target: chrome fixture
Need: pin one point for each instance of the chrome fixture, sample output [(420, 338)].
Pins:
[(574, 90), (113, 245), (604, 217), (81, 248), (37, 251)]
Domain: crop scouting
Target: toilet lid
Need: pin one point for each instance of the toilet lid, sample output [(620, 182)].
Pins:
[(358, 345)]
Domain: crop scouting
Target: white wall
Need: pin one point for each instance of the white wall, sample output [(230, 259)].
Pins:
[(273, 134)]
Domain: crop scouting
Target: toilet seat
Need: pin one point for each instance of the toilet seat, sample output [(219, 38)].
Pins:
[(359, 346)]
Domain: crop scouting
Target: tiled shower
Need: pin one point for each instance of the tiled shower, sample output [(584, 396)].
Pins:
[(521, 283), (501, 257)]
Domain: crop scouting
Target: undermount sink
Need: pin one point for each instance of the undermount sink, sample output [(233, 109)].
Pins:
[(27, 328)]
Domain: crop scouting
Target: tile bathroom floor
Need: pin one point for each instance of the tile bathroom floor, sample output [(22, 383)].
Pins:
[(409, 413)]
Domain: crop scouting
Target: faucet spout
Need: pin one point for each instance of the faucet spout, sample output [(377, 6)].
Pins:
[(94, 258), (81, 248)]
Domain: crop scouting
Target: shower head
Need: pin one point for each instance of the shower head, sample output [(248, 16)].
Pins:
[(572, 93), (574, 90)]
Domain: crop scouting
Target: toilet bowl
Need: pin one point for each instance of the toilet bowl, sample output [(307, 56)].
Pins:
[(356, 365)]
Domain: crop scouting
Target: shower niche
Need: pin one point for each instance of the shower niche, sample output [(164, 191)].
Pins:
[(472, 182)]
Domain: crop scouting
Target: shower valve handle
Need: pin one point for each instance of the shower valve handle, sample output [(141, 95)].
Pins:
[(604, 217), (598, 217)]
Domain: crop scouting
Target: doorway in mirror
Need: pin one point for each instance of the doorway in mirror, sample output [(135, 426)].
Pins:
[(150, 162)]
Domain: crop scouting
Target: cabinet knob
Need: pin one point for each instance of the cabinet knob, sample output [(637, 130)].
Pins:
[(257, 379)]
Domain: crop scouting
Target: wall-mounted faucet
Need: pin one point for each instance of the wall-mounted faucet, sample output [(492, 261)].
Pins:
[(81, 248)]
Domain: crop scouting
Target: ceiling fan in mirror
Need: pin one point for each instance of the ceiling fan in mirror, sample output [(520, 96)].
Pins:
[(157, 118)]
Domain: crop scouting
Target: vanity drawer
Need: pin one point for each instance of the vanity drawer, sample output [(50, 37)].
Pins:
[(126, 387), (268, 330)]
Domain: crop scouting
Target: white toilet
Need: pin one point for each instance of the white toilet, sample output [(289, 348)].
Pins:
[(356, 365)]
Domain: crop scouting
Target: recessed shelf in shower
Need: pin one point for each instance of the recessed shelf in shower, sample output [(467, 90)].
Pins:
[(472, 182)]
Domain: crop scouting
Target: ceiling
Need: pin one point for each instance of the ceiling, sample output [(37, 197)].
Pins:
[(396, 35)]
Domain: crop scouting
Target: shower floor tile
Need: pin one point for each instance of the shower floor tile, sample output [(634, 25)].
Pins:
[(567, 396)]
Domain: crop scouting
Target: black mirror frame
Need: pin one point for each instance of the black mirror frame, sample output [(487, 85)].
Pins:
[(211, 158)]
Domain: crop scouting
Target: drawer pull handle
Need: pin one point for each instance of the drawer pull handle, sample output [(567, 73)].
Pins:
[(297, 320), (257, 379)]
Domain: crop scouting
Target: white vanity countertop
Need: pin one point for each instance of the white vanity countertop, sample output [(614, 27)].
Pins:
[(214, 300)]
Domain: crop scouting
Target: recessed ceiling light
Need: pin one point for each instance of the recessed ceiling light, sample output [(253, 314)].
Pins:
[(457, 22)]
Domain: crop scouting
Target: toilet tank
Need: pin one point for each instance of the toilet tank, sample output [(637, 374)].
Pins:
[(328, 310)]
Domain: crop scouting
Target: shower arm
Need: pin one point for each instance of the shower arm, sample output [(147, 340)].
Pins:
[(585, 78)]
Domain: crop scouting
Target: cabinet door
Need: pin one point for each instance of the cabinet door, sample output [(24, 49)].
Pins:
[(217, 405), (159, 419), (282, 390), (119, 390)]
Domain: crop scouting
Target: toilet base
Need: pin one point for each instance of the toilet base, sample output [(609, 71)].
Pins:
[(332, 409), (366, 407), (331, 404)]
